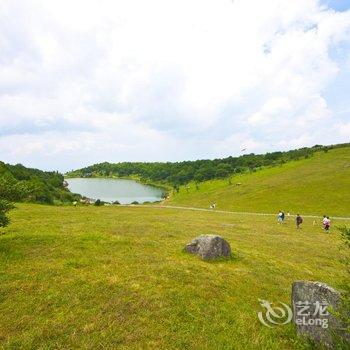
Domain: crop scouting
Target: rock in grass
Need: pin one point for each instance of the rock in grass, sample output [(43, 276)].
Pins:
[(312, 303), (209, 247)]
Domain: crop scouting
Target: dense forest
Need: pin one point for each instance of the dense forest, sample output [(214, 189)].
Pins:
[(18, 183), (180, 173)]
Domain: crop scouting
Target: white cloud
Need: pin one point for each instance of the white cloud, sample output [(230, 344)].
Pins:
[(164, 79), (238, 143), (344, 129)]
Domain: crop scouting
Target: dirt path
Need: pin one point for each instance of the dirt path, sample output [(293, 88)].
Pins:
[(227, 211)]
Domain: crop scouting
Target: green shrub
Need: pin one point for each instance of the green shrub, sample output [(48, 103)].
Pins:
[(5, 207)]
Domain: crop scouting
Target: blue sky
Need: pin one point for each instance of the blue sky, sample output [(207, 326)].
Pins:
[(338, 5), (91, 81)]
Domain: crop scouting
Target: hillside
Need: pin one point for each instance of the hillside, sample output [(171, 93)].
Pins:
[(180, 173), (316, 185), (18, 183)]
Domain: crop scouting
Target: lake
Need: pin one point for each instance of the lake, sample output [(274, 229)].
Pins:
[(110, 190)]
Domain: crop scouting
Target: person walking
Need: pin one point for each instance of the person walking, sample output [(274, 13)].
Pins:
[(298, 221), (280, 217), (283, 217), (324, 221), (327, 224)]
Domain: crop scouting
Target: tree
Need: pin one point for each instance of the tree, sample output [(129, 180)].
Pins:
[(223, 170), (205, 172), (10, 188), (5, 207)]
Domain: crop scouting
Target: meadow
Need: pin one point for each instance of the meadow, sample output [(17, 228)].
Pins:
[(316, 185), (117, 278)]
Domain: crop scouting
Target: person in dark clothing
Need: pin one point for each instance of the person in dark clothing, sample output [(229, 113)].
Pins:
[(283, 217), (299, 221)]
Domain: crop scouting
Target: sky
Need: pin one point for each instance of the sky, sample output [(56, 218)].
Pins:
[(85, 81)]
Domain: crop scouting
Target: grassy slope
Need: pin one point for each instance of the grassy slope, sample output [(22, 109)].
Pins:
[(116, 277), (317, 185)]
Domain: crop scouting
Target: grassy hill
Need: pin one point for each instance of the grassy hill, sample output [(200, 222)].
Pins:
[(116, 277), (316, 185)]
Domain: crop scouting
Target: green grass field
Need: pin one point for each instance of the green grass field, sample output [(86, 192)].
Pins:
[(318, 185), (117, 278)]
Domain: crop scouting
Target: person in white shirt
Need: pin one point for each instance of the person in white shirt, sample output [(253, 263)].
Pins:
[(326, 222), (280, 217)]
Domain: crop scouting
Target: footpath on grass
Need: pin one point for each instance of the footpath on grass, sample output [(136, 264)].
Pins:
[(224, 211)]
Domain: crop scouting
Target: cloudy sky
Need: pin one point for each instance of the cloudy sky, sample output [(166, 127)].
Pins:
[(89, 81)]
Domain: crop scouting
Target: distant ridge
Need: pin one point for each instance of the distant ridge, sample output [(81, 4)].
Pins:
[(180, 173)]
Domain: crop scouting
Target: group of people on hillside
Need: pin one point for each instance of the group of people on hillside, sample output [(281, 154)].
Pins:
[(326, 222)]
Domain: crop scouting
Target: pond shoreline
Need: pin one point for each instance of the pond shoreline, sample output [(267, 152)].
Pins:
[(167, 188), (116, 190)]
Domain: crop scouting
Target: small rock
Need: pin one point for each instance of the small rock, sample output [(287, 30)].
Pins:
[(311, 303), (209, 247)]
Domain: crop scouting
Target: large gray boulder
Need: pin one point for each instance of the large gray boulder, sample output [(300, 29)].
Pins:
[(312, 303), (209, 247)]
